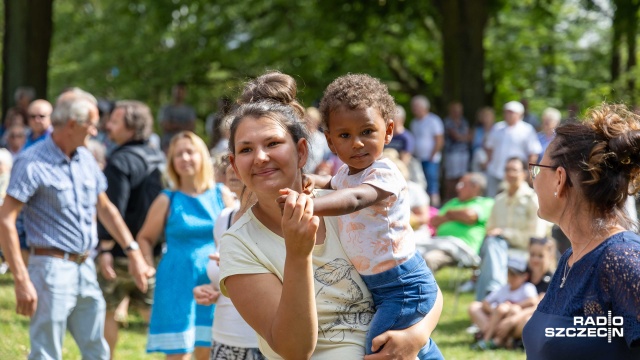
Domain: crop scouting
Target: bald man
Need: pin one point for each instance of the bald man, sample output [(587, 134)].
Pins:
[(39, 117)]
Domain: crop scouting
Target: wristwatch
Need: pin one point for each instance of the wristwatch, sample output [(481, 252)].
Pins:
[(132, 246)]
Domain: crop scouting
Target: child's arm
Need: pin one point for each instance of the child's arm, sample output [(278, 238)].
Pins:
[(316, 181), (346, 201)]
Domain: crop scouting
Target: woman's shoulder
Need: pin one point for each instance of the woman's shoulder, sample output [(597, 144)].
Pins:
[(621, 250)]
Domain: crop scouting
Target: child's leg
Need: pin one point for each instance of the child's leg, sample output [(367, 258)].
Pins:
[(403, 296), (497, 315), (478, 316)]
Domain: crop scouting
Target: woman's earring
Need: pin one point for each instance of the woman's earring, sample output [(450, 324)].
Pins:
[(555, 194)]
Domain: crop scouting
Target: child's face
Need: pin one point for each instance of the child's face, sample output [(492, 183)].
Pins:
[(537, 256), (358, 136), (516, 280)]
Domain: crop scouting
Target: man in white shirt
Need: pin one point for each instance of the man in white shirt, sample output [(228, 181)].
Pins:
[(507, 139), (428, 132)]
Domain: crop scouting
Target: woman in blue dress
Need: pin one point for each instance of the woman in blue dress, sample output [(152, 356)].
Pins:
[(187, 213), (592, 307)]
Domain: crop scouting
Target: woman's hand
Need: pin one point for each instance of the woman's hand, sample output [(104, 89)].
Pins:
[(398, 344), (215, 257), (205, 294), (299, 226)]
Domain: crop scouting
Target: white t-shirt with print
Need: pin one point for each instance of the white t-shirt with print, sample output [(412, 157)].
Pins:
[(497, 297), (343, 302), (377, 238)]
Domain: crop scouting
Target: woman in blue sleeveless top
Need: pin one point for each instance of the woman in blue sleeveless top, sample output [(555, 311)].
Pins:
[(187, 213), (592, 307)]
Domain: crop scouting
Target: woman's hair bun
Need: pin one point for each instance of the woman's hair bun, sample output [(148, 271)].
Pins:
[(619, 129), (273, 86), (626, 147)]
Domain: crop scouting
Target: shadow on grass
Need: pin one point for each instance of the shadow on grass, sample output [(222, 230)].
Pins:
[(6, 280)]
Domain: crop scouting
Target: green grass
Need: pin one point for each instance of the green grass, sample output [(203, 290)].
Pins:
[(450, 334)]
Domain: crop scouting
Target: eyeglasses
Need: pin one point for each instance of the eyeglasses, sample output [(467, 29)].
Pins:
[(534, 169), (15, 136), (33, 116)]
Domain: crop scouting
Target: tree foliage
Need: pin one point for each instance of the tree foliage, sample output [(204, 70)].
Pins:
[(553, 52)]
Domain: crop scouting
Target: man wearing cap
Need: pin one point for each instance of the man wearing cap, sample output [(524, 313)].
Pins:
[(58, 183), (507, 139)]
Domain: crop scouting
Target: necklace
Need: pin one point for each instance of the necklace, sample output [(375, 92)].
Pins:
[(566, 266)]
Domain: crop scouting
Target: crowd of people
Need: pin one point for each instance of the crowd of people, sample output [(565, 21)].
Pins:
[(334, 218)]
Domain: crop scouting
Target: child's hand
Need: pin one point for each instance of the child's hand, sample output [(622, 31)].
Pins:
[(308, 184), (283, 197), (205, 294)]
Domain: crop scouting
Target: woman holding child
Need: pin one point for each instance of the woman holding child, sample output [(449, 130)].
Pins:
[(582, 183), (313, 304)]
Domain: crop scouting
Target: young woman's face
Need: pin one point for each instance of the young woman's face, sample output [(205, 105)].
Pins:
[(265, 157), (187, 160)]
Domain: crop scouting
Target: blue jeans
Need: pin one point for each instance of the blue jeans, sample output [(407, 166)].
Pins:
[(493, 267), (432, 173), (68, 298), (402, 296)]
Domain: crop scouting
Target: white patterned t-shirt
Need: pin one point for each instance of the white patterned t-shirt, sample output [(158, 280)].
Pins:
[(377, 238)]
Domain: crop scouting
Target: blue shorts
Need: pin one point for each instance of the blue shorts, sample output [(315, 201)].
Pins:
[(402, 296)]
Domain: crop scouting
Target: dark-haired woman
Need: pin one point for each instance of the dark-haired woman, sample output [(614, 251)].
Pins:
[(592, 307)]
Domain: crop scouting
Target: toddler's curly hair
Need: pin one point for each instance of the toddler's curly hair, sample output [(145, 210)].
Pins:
[(357, 91)]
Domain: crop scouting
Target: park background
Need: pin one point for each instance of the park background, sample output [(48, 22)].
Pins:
[(569, 54)]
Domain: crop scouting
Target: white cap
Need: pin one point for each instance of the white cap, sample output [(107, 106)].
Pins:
[(514, 106), (517, 264)]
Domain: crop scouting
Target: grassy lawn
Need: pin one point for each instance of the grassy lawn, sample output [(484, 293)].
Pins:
[(450, 333)]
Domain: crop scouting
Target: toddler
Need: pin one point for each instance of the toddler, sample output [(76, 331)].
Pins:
[(371, 200)]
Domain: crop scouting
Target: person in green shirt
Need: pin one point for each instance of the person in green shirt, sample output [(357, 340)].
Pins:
[(460, 224)]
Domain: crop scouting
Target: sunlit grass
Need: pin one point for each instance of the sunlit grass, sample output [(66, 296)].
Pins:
[(450, 334)]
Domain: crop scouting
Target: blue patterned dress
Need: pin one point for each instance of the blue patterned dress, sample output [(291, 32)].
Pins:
[(602, 286), (177, 323)]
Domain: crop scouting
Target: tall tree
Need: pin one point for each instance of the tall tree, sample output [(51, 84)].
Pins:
[(27, 41), (625, 32), (463, 24)]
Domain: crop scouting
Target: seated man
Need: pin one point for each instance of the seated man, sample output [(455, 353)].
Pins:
[(460, 225), (513, 221)]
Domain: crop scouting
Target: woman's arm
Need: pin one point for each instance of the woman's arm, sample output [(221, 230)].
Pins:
[(405, 344), (286, 317), (153, 226)]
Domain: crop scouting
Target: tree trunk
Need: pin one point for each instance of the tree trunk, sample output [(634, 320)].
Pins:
[(463, 26), (27, 41)]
